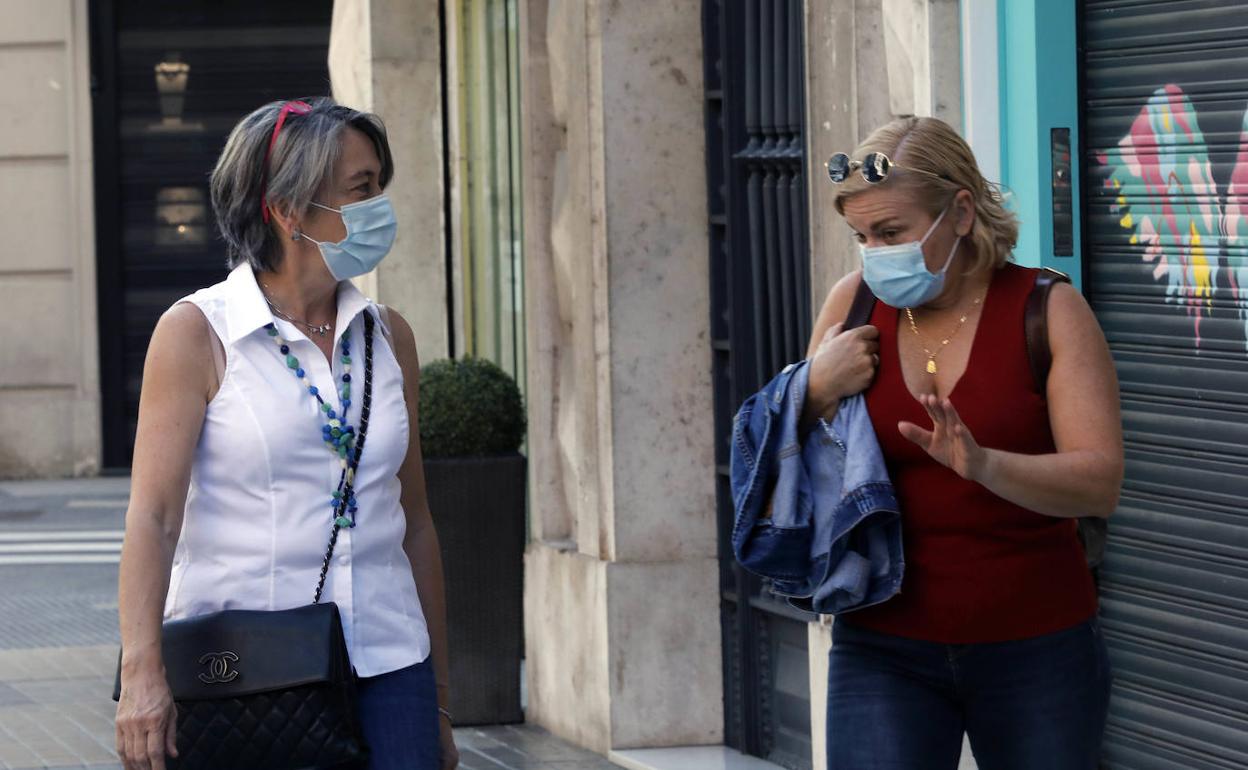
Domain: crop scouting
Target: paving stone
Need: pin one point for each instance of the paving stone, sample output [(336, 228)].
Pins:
[(539, 744), (58, 652), (58, 663), (73, 619)]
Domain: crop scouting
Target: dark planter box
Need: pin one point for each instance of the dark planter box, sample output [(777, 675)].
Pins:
[(478, 506)]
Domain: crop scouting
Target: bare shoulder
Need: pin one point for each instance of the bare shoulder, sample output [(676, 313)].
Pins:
[(183, 330), (404, 343), (181, 348), (1069, 315), (186, 318), (835, 307), (1066, 293), (842, 296), (1075, 335)]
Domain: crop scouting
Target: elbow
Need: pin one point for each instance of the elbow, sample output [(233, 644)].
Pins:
[(1108, 505), (420, 533), (154, 528), (1112, 494)]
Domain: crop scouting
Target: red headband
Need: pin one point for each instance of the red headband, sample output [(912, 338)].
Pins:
[(299, 108)]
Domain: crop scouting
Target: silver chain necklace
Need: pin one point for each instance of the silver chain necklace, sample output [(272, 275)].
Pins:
[(321, 329)]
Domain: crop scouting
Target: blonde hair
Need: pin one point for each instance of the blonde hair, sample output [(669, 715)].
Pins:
[(931, 145)]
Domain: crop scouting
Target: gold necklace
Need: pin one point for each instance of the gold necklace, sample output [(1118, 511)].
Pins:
[(931, 354)]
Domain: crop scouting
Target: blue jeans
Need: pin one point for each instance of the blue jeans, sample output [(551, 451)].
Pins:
[(1032, 704), (399, 714)]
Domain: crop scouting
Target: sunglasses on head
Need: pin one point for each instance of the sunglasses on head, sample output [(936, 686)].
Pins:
[(875, 168)]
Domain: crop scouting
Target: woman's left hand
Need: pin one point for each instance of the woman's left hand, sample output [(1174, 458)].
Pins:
[(950, 442), (450, 753)]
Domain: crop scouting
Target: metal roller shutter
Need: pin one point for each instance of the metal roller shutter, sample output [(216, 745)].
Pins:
[(155, 236), (1165, 89)]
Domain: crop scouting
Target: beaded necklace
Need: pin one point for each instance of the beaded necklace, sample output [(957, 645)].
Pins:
[(339, 436)]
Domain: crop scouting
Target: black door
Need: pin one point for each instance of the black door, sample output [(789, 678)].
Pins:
[(1165, 99), (169, 82), (760, 321)]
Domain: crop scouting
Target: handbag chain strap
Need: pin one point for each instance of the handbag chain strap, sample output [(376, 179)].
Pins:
[(366, 406)]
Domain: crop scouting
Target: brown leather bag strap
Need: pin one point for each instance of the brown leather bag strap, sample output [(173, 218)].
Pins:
[(1093, 530), (1036, 325), (860, 310)]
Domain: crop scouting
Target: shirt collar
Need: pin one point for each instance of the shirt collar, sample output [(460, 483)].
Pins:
[(247, 309)]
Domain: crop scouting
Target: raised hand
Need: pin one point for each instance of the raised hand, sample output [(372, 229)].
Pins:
[(950, 442)]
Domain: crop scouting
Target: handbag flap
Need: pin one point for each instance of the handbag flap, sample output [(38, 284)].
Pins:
[(234, 653)]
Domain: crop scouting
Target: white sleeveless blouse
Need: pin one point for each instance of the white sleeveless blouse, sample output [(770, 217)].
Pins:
[(258, 517)]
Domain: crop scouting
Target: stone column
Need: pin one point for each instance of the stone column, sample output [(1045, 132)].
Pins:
[(385, 57), (49, 362), (923, 57), (621, 594)]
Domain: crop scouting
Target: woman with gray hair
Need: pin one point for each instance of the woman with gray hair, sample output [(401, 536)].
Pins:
[(246, 386)]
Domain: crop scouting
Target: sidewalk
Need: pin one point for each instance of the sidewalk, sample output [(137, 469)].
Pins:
[(56, 712), (59, 546)]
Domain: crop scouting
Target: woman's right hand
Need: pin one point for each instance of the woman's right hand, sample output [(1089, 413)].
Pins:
[(147, 721), (843, 365)]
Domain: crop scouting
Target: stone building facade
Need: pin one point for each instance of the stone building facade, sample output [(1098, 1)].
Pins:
[(623, 595), (49, 364)]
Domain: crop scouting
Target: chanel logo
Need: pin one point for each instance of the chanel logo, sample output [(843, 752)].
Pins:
[(219, 671)]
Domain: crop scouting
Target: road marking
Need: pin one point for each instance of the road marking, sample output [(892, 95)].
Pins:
[(50, 535), (61, 547), (121, 502), (6, 548), (48, 559)]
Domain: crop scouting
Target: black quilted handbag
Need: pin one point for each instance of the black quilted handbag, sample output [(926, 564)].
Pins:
[(260, 690)]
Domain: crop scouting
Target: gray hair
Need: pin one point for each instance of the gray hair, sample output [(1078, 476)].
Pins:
[(302, 160)]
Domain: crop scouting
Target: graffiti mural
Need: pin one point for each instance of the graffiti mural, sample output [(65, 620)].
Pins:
[(1161, 182)]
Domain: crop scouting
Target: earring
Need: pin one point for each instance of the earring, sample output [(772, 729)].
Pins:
[(294, 234)]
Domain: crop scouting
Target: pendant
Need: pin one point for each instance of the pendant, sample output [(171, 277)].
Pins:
[(931, 366), (321, 330)]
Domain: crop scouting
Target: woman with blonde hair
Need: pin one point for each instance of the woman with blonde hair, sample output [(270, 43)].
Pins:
[(994, 632)]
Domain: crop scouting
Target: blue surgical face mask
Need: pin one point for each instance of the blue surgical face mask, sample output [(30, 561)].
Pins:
[(371, 227), (898, 274)]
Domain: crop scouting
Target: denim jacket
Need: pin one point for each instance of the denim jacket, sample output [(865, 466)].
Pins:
[(833, 540)]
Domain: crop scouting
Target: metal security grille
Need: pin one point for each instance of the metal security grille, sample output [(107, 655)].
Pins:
[(1165, 163), (169, 81), (760, 320)]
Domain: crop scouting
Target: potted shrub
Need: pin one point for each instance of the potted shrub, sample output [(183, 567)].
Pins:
[(472, 425)]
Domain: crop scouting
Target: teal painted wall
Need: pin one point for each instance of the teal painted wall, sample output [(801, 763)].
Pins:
[(1039, 92)]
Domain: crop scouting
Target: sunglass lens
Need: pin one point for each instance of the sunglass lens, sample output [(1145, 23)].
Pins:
[(838, 167), (875, 167)]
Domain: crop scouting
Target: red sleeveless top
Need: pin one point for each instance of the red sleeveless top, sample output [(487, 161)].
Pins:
[(978, 567)]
